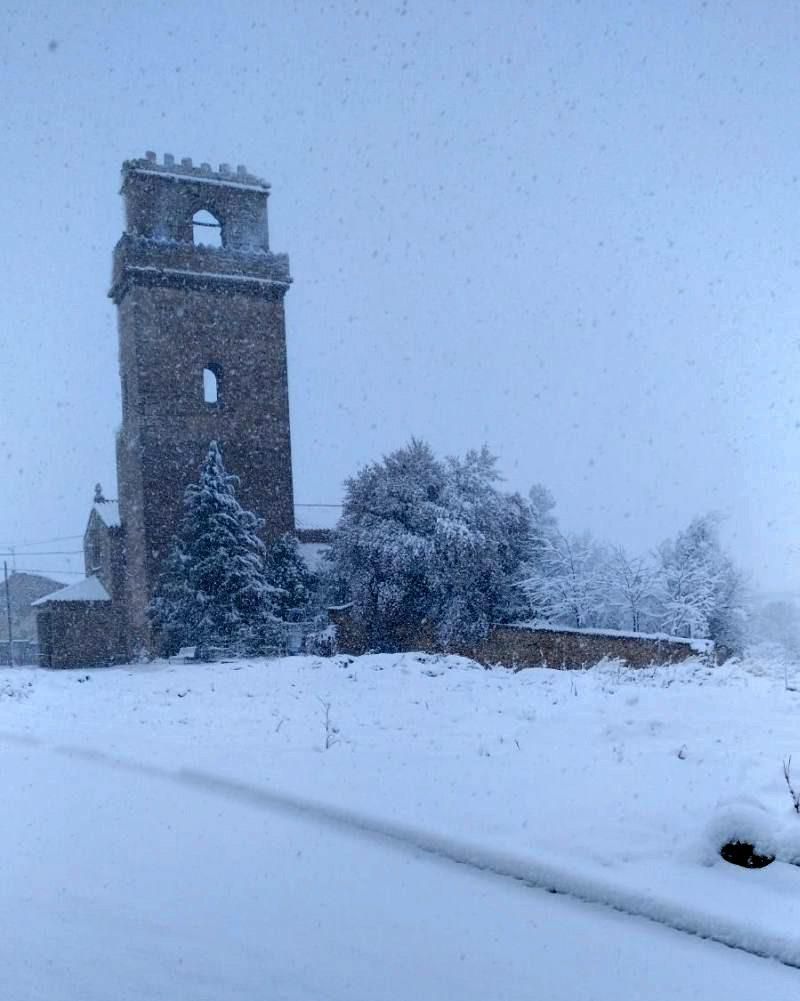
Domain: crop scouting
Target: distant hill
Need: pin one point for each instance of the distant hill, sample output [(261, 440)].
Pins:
[(23, 588)]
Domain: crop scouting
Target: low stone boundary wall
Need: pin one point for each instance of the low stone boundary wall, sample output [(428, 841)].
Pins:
[(522, 646), (519, 646)]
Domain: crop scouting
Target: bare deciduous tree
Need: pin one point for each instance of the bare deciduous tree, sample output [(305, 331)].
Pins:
[(632, 581), (569, 584)]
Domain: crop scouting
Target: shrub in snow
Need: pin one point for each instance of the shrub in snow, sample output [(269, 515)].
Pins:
[(743, 854), (213, 590), (424, 541), (738, 825)]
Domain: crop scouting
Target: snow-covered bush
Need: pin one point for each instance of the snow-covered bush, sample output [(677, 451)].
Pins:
[(213, 590), (425, 542)]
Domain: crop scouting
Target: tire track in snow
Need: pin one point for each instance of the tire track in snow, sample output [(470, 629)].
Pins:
[(530, 872)]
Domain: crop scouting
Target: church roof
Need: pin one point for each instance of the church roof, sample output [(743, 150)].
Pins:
[(88, 589), (108, 512)]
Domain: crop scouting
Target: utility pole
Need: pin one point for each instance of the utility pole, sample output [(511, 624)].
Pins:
[(8, 613)]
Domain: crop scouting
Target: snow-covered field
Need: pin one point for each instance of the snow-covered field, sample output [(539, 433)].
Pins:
[(182, 831)]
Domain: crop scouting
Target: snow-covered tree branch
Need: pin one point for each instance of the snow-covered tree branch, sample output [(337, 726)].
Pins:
[(430, 542)]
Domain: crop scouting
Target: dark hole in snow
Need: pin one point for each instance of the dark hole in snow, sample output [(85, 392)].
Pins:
[(744, 854)]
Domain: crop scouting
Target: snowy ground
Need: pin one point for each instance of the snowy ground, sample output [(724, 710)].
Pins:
[(148, 857)]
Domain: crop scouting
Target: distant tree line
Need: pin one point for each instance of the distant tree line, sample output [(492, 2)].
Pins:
[(436, 544)]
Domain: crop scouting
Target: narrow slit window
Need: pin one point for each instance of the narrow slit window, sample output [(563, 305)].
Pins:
[(210, 387), (206, 230)]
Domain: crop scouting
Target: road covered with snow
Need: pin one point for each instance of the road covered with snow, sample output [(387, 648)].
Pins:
[(157, 845)]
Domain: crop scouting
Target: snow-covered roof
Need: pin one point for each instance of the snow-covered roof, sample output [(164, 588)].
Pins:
[(698, 645), (108, 512), (88, 589)]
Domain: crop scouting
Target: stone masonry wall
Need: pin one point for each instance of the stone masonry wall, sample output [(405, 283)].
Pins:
[(184, 308), (167, 337), (521, 647), (79, 634)]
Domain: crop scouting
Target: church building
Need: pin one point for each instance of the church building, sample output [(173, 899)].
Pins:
[(202, 357)]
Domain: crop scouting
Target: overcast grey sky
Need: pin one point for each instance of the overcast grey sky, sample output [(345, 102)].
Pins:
[(568, 230)]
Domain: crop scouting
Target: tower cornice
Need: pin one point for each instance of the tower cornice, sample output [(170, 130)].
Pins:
[(142, 261)]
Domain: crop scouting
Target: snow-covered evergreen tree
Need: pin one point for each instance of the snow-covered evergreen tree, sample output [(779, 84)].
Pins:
[(172, 611), (428, 542), (213, 590), (287, 571)]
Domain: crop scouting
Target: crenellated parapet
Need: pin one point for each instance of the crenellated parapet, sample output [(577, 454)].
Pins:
[(185, 168), (162, 201)]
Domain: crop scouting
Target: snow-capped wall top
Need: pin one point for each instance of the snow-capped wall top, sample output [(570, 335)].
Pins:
[(186, 170), (697, 645), (88, 589)]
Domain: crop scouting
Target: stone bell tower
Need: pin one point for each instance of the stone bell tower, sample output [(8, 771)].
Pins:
[(202, 355)]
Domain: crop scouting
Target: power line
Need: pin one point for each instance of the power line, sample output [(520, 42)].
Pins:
[(41, 542), (71, 538), (58, 552)]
